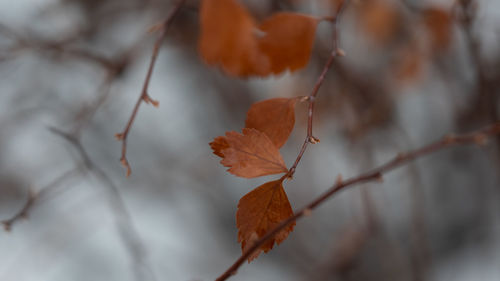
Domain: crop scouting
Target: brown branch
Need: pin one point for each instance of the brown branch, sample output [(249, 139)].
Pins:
[(23, 212), (479, 137), (57, 47), (35, 197), (86, 114), (128, 232), (314, 92), (144, 96)]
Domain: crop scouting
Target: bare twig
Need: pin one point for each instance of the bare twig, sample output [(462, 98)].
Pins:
[(61, 47), (86, 114), (34, 197), (311, 98), (479, 137), (126, 228), (144, 96)]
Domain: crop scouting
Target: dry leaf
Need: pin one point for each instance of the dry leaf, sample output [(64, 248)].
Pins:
[(274, 117), (261, 210), (288, 40), (218, 145), (228, 38), (380, 19), (249, 155), (231, 39)]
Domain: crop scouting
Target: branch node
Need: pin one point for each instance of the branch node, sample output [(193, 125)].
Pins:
[(147, 99), (125, 164), (339, 52), (119, 136), (7, 226), (338, 181), (303, 98), (307, 212), (290, 173), (313, 140)]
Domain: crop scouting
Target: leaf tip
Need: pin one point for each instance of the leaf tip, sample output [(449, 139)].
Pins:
[(218, 145)]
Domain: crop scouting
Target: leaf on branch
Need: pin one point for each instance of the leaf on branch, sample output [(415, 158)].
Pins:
[(249, 155), (260, 211), (231, 38), (274, 117), (227, 38), (288, 40)]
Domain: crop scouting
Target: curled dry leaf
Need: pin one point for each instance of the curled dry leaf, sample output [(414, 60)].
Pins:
[(231, 38), (274, 117), (261, 210), (249, 155)]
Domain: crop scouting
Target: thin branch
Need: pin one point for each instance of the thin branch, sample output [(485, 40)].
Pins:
[(34, 198), (144, 96), (479, 137), (124, 223), (312, 96), (57, 47), (86, 114)]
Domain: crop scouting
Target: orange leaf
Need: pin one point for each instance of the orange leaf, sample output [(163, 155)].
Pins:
[(288, 40), (380, 19), (261, 210), (231, 38), (249, 155), (218, 145), (274, 117), (228, 38)]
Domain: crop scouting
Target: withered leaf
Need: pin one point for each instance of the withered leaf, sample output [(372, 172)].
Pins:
[(260, 211), (274, 117), (288, 40), (218, 145), (231, 38), (249, 155), (228, 38), (380, 19)]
